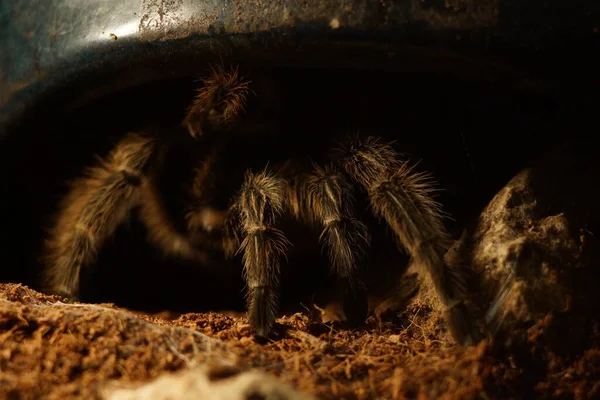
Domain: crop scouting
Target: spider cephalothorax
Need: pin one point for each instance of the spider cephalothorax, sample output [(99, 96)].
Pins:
[(311, 184)]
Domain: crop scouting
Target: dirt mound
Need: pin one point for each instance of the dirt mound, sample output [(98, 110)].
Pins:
[(50, 349)]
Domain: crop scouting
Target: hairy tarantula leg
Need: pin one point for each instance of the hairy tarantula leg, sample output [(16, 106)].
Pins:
[(330, 199), (96, 204), (218, 101), (161, 230), (403, 199), (259, 205)]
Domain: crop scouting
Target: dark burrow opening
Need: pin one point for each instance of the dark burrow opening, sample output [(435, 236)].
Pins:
[(473, 137)]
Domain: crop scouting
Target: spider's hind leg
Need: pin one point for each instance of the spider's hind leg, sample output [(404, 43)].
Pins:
[(402, 197)]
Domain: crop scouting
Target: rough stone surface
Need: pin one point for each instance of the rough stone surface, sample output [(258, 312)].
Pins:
[(535, 253)]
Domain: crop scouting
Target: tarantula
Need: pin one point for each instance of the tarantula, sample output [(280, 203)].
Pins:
[(318, 190)]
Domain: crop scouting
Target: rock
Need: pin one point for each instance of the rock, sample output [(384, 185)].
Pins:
[(216, 383), (534, 251)]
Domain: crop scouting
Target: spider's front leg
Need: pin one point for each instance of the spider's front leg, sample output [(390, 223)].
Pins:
[(250, 225), (403, 199), (96, 204), (260, 203)]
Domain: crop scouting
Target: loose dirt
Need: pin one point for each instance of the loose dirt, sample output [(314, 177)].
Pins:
[(51, 349)]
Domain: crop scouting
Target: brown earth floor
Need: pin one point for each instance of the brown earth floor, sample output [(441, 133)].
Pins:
[(49, 349)]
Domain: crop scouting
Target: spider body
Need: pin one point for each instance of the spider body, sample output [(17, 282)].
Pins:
[(247, 182)]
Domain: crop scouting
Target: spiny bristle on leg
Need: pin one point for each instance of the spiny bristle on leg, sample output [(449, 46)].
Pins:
[(260, 204), (221, 98)]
